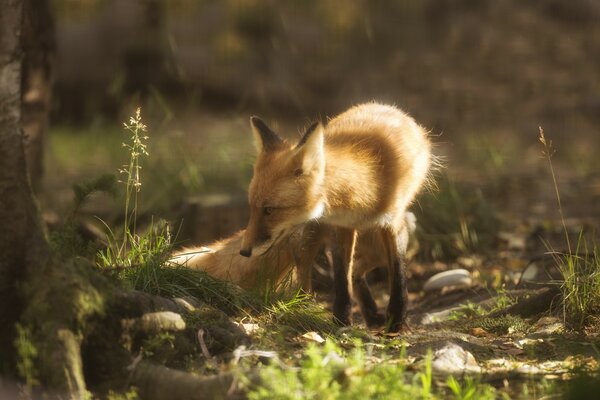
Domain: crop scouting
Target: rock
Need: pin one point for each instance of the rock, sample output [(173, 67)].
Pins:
[(312, 337), (454, 277), (547, 326), (438, 316), (452, 359), (160, 321), (188, 304)]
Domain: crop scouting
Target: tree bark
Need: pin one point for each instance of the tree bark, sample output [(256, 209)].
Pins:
[(38, 47), (30, 284), (22, 241)]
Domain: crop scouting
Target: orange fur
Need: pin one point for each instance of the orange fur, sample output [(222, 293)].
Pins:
[(221, 259), (361, 171)]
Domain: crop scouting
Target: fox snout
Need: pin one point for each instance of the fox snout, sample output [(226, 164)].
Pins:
[(256, 234), (246, 252), (247, 246)]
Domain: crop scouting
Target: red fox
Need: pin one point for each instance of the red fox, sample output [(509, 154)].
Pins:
[(222, 260), (361, 171)]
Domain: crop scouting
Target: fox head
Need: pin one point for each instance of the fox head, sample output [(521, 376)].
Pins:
[(286, 189)]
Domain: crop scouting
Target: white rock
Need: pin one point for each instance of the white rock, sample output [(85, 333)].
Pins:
[(454, 277), (438, 316), (161, 321), (452, 359)]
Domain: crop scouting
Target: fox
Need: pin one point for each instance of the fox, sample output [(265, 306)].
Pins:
[(362, 170), (222, 260)]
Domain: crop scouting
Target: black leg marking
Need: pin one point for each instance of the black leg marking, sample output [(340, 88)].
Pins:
[(342, 257), (397, 307), (368, 307)]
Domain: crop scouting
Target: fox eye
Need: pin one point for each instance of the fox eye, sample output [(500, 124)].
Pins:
[(267, 210)]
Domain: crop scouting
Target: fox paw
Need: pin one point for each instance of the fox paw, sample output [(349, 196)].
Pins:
[(397, 327), (341, 320)]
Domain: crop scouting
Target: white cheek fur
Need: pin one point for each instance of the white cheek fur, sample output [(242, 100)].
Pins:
[(318, 211)]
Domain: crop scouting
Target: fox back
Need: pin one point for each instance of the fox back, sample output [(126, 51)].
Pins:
[(362, 170)]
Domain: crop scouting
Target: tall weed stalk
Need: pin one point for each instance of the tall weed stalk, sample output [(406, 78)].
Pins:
[(580, 269)]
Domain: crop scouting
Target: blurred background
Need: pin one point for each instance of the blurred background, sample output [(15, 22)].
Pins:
[(480, 76)]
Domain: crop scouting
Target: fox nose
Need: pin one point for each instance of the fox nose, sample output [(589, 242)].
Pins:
[(246, 252)]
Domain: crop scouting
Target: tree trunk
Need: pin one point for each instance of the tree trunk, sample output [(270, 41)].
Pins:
[(22, 241), (38, 47), (46, 300)]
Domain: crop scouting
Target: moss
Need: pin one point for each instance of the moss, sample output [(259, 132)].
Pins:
[(62, 300), (498, 325), (26, 355), (505, 324)]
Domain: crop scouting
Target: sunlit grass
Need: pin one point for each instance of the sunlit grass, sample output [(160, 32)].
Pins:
[(329, 372)]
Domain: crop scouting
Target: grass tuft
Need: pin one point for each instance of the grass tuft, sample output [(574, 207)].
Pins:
[(580, 269), (456, 220), (300, 313), (581, 283)]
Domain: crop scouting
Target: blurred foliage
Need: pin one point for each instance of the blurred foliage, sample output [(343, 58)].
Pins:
[(452, 64)]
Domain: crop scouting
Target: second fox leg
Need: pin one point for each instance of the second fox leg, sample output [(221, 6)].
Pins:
[(368, 307)]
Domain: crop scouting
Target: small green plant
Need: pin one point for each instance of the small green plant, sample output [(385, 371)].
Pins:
[(131, 172), (66, 241), (470, 389), (126, 250), (468, 310)]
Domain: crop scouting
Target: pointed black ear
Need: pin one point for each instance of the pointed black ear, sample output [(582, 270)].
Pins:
[(309, 132), (309, 150), (265, 139)]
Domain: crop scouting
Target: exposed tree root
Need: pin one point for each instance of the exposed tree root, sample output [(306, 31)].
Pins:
[(536, 302), (158, 382)]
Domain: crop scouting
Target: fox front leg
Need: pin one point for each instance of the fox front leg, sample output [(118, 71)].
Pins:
[(342, 255), (313, 235)]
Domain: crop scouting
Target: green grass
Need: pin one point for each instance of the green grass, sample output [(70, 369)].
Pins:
[(580, 268), (580, 283), (328, 372), (299, 313), (455, 220)]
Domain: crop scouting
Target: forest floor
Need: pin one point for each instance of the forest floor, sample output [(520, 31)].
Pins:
[(508, 332)]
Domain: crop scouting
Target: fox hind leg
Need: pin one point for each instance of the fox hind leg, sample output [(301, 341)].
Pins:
[(398, 305), (342, 254)]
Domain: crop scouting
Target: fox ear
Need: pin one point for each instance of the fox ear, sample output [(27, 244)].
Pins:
[(310, 147), (264, 138)]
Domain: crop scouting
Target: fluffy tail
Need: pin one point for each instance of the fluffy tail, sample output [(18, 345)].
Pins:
[(222, 260)]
